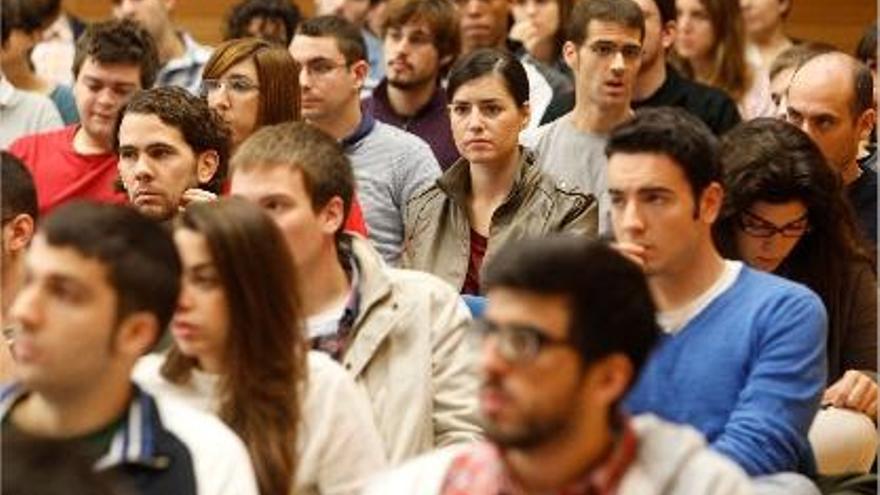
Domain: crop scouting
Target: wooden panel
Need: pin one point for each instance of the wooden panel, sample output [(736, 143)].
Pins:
[(840, 22)]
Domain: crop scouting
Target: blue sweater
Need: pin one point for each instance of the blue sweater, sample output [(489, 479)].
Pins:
[(748, 371)]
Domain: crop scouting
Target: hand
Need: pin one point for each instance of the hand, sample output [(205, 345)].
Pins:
[(632, 251), (195, 195), (854, 390), (526, 33)]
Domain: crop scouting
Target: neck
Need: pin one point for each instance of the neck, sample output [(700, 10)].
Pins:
[(77, 412), (170, 46), (851, 172), (545, 51), (587, 117), (211, 364), (771, 39), (704, 67), (13, 274), (20, 75), (323, 283), (86, 144), (556, 464), (492, 182), (341, 124), (408, 102), (650, 79), (677, 288)]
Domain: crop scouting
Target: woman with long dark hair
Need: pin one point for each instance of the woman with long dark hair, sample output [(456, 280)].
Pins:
[(785, 212), (239, 351)]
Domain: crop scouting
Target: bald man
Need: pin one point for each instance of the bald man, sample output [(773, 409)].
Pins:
[(831, 99)]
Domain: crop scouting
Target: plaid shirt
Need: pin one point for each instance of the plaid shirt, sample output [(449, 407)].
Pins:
[(481, 471), (336, 344), (185, 71)]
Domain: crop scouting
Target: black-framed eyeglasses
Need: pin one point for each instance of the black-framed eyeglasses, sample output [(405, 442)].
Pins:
[(631, 52), (756, 226), (239, 85), (518, 344), (321, 66)]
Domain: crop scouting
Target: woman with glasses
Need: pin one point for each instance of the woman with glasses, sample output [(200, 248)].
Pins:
[(710, 48), (239, 350), (251, 83), (495, 193), (785, 212)]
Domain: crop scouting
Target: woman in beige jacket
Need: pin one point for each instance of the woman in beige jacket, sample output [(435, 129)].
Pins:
[(495, 193)]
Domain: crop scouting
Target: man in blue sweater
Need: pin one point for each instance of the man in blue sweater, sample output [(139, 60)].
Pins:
[(742, 358)]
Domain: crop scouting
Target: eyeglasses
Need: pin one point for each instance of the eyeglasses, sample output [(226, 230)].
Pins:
[(756, 226), (518, 344), (605, 49), (237, 84), (319, 67)]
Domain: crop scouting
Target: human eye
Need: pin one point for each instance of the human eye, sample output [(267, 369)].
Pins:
[(394, 34), (205, 279), (159, 153), (240, 84), (655, 198), (631, 52), (825, 122), (127, 154), (320, 67), (794, 117), (65, 290), (617, 200), (460, 109), (603, 49), (275, 205), (491, 109)]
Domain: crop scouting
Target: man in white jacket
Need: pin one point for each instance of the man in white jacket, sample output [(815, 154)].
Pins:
[(568, 325)]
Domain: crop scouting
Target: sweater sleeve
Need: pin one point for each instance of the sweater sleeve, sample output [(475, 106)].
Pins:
[(860, 342), (767, 429)]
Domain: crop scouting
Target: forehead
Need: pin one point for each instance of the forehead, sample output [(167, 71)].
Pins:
[(192, 246), (416, 23), (631, 172), (141, 130), (264, 180), (45, 260), (550, 313), (612, 31), (821, 88), (110, 74), (304, 48), (648, 7), (489, 86), (245, 67)]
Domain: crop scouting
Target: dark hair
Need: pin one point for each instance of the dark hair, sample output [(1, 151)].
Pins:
[(866, 50), (667, 10), (863, 89), (118, 42), (440, 15), (772, 161), (18, 194), (624, 12), (140, 257), (40, 466), (348, 37), (490, 61), (200, 127), (277, 73), (325, 168), (677, 134), (611, 309), (241, 15), (260, 390), (25, 15)]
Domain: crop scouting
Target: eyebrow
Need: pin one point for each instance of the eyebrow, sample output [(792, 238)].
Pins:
[(478, 102), (124, 85)]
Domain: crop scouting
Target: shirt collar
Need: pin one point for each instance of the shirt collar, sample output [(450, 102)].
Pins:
[(134, 442), (365, 126), (435, 104), (193, 55), (7, 91)]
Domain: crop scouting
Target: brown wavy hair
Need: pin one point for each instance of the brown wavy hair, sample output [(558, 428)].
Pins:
[(260, 392), (732, 72), (277, 71)]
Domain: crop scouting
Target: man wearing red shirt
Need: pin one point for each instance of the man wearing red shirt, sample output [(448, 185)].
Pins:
[(113, 61)]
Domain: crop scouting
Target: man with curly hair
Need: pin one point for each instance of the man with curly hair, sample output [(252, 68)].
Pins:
[(113, 61), (172, 150)]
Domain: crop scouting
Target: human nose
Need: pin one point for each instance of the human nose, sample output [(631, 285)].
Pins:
[(473, 8), (618, 64), (492, 363), (630, 218), (143, 169), (25, 308), (125, 9), (475, 120), (219, 98)]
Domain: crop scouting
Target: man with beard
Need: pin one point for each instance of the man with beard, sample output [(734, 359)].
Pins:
[(172, 150), (568, 325), (420, 41)]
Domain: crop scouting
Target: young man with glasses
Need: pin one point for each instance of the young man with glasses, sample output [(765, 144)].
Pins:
[(742, 356), (603, 49), (390, 165), (172, 150), (113, 61), (568, 325)]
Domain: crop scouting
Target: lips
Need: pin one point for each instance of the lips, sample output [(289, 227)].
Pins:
[(493, 400), (146, 196), (184, 330)]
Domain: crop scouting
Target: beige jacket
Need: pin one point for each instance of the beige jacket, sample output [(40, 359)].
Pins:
[(411, 355), (437, 228)]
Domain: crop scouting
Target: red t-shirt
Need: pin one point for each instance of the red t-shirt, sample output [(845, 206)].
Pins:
[(61, 174), (478, 252)]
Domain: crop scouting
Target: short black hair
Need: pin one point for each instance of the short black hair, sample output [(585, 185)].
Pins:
[(348, 37), (241, 15), (863, 89), (487, 61), (611, 309), (679, 135), (866, 50), (18, 194), (624, 12), (667, 10), (118, 42), (201, 127), (141, 259), (24, 15)]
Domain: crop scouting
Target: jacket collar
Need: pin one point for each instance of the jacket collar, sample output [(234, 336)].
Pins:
[(374, 289), (437, 103), (134, 442), (456, 181)]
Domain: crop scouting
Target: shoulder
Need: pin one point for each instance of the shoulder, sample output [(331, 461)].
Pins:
[(424, 474), (428, 285), (48, 138), (395, 138), (776, 303), (427, 197)]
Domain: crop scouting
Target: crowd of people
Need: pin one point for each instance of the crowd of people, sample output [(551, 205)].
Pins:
[(439, 247)]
